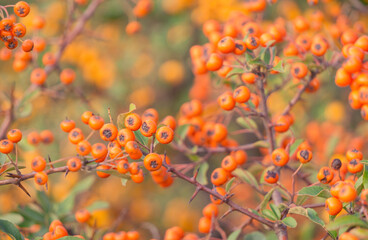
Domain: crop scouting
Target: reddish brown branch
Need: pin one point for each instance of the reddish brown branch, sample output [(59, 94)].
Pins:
[(225, 199)]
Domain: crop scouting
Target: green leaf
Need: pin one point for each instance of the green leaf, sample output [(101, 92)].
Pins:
[(246, 123), (331, 145), (235, 71), (234, 235), (3, 159), (298, 210), (246, 176), (256, 61), (124, 182), (97, 206), (347, 220), (68, 203), (202, 173), (181, 131), (193, 157), (10, 229), (132, 107), (315, 191), (279, 67), (275, 210), (266, 199), (14, 218), (309, 213), (248, 57), (269, 214), (295, 146), (25, 106), (255, 236), (301, 199), (139, 137), (312, 215), (365, 176), (261, 143), (290, 222), (121, 117), (44, 201), (12, 169), (29, 213), (229, 183)]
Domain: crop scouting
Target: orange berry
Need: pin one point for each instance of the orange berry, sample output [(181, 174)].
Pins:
[(67, 125), (342, 78), (252, 42), (241, 94), (125, 135), (67, 76), (21, 9), (108, 132), (133, 121), (38, 164), (325, 175), (271, 177), (75, 136), (304, 155), (226, 101), (99, 152), (38, 76), (219, 176), (33, 138), (299, 70), (204, 225), (214, 62), (74, 164), (27, 45), (47, 136), (228, 163), (82, 215), (102, 174), (240, 156), (41, 178), (164, 135), (148, 127), (132, 28), (333, 206), (14, 135), (354, 154), (226, 45), (265, 39), (347, 193), (6, 146), (152, 162), (84, 148), (86, 116), (280, 157)]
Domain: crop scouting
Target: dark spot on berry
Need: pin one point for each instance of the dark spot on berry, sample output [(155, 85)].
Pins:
[(153, 164), (145, 127), (304, 154), (164, 135), (336, 164), (107, 133), (239, 46), (130, 121), (75, 134)]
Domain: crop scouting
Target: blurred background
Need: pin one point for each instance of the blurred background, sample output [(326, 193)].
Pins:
[(152, 69)]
